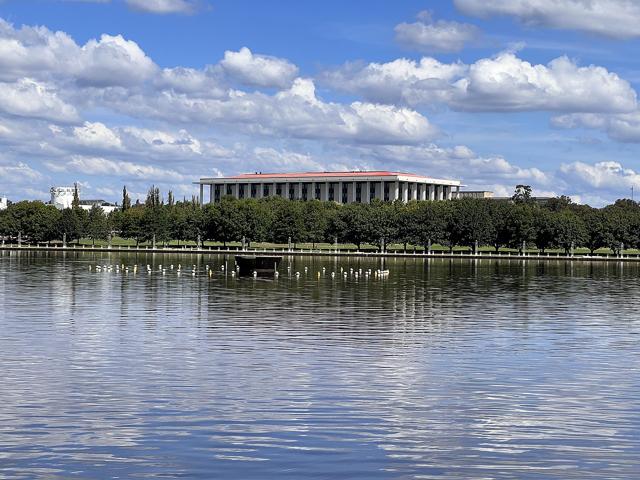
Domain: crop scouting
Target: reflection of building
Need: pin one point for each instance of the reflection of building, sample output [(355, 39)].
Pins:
[(3, 203), (62, 197), (341, 187)]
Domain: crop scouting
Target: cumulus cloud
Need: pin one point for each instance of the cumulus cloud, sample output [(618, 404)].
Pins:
[(619, 127), (29, 98), (18, 172), (608, 175), (39, 53), (114, 168), (610, 18), (258, 70), (502, 83), (164, 7), (425, 35)]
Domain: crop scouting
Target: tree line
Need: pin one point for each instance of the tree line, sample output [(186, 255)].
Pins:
[(464, 223)]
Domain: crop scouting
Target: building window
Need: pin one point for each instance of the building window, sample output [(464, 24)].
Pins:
[(216, 192), (372, 191), (265, 191), (331, 194), (291, 190), (253, 191), (317, 192), (278, 190), (304, 192), (386, 191), (358, 194), (229, 190), (345, 190)]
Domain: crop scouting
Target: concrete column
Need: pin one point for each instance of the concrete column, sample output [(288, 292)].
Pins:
[(338, 196), (449, 193), (423, 192), (405, 192), (440, 195), (299, 196), (379, 190), (211, 195), (354, 186), (366, 196), (312, 195), (414, 193), (201, 194), (325, 196), (394, 194), (259, 190)]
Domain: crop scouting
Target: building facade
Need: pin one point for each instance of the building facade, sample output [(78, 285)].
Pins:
[(62, 197), (3, 203), (340, 187)]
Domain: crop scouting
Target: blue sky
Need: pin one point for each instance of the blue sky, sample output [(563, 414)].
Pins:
[(494, 93)]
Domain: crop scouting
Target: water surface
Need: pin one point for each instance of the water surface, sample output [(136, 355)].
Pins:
[(448, 369)]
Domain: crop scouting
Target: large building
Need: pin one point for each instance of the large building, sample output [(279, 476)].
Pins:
[(340, 187), (62, 197), (3, 203)]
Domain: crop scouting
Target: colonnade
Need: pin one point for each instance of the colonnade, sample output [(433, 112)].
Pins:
[(339, 191)]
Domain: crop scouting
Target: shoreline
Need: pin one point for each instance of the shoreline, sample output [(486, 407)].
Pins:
[(329, 253)]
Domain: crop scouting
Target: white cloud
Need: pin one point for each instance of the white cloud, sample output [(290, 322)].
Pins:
[(97, 135), (39, 53), (425, 35), (30, 98), (611, 176), (623, 127), (18, 173), (507, 83), (399, 81), (104, 166), (258, 70), (163, 7), (112, 60), (502, 83), (611, 18)]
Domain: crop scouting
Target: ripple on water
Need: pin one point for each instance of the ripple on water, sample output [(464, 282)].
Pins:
[(447, 369)]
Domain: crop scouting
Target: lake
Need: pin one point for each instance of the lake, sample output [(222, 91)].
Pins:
[(446, 369)]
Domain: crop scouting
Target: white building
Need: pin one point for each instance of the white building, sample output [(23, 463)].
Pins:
[(3, 203), (62, 197), (341, 187)]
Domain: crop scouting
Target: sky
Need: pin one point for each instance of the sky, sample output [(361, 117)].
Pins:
[(494, 93)]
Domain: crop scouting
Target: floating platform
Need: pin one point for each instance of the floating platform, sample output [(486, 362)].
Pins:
[(262, 265)]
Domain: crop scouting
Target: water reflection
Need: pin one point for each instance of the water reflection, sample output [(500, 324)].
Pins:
[(447, 369)]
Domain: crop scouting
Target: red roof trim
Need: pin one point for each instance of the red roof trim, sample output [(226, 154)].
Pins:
[(249, 176)]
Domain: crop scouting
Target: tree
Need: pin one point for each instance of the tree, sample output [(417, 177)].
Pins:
[(97, 225), (352, 223), (36, 221), (288, 221), (429, 222), (126, 200), (597, 228), (75, 203), (470, 221), (131, 225), (316, 220), (522, 194), (558, 203), (73, 223), (569, 230)]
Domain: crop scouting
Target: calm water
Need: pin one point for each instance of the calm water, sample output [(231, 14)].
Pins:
[(447, 369)]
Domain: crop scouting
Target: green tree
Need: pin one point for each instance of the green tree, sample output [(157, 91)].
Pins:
[(132, 225), (75, 203), (73, 223), (126, 200), (36, 221), (316, 216), (569, 230), (288, 221), (522, 194), (470, 221), (429, 222), (97, 225)]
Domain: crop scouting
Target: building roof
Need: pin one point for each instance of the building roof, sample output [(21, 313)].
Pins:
[(249, 176)]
